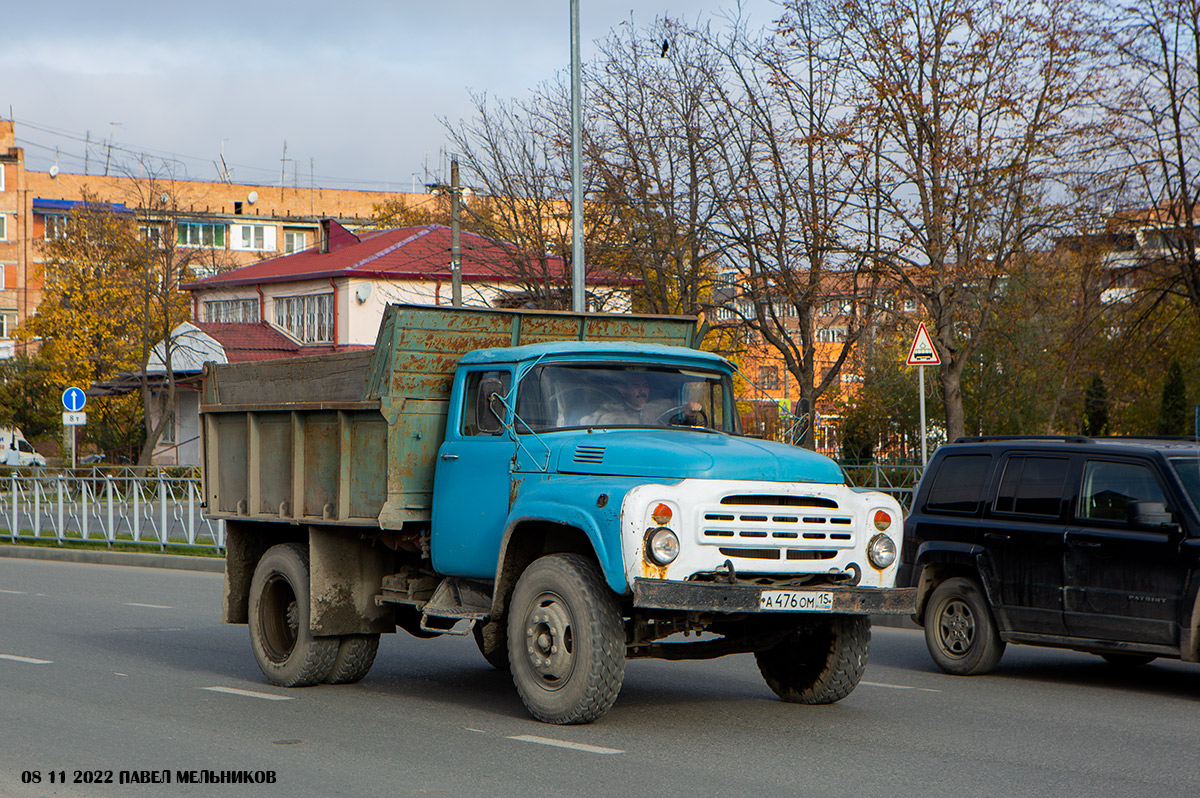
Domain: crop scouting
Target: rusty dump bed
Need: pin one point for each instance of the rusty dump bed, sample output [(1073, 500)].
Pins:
[(351, 438)]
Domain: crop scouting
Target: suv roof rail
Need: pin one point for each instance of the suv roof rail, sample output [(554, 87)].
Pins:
[(1064, 438)]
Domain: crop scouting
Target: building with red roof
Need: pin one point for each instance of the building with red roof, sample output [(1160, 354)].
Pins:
[(334, 294)]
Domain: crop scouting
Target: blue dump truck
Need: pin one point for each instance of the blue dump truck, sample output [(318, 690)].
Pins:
[(572, 489)]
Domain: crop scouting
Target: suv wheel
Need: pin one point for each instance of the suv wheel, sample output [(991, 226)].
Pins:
[(960, 631)]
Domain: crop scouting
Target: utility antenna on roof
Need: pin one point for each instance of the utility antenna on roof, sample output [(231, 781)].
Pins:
[(283, 169)]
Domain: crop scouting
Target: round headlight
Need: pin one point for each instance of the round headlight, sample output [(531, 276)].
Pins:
[(881, 551), (662, 546)]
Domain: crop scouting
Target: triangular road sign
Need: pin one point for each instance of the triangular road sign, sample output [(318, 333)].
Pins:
[(922, 352)]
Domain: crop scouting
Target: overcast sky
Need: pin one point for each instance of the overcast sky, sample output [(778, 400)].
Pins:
[(357, 94)]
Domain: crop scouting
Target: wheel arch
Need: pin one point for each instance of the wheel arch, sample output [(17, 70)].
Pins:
[(941, 561), (527, 539)]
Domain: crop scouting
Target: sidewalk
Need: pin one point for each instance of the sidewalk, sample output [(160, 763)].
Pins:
[(148, 560)]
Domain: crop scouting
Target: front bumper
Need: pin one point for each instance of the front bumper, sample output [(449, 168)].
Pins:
[(665, 594)]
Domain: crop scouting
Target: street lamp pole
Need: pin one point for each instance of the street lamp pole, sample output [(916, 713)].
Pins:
[(577, 261)]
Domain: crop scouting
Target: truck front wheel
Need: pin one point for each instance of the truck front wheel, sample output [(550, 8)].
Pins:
[(566, 641), (820, 662), (287, 652)]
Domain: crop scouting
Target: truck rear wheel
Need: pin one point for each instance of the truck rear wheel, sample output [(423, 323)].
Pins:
[(960, 632), (287, 652), (354, 658), (820, 662), (566, 641)]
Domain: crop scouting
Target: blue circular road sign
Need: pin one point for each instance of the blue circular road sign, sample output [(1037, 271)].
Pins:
[(74, 399)]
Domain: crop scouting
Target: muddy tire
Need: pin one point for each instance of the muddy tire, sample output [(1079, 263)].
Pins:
[(960, 632), (492, 639), (820, 662), (354, 658), (566, 640), (287, 652)]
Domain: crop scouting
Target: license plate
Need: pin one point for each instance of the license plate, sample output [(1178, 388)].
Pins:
[(796, 600)]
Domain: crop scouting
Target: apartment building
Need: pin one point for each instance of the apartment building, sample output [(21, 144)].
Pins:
[(234, 224)]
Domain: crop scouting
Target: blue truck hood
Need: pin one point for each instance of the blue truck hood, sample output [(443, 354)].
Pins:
[(687, 454)]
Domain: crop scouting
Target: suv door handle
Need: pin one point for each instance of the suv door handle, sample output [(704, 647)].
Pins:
[(995, 536), (1084, 544), (449, 456)]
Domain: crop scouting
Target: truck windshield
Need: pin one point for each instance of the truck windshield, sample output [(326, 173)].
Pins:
[(562, 397), (1188, 469)]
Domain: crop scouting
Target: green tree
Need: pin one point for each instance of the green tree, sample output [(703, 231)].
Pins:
[(1095, 408), (1173, 417)]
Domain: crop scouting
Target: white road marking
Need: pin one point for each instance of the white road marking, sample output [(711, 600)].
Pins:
[(249, 693), (591, 749), (900, 687), (151, 606), (28, 660), (14, 592)]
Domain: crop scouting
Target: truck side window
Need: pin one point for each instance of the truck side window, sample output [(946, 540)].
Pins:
[(1109, 488), (471, 401), (1032, 486), (958, 483)]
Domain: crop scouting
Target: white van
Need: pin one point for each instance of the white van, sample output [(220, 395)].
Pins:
[(16, 451)]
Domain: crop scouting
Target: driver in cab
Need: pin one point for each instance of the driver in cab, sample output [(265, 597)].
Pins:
[(635, 408)]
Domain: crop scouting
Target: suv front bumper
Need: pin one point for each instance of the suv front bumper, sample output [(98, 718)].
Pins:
[(664, 594)]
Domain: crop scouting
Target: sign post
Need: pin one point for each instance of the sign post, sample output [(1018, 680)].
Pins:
[(921, 354), (73, 400)]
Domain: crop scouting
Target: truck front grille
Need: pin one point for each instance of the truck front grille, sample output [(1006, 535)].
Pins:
[(815, 533)]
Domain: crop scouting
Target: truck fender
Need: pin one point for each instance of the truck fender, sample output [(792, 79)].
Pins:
[(579, 534)]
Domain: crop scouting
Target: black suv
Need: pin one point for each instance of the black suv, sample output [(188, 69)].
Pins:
[(1090, 544)]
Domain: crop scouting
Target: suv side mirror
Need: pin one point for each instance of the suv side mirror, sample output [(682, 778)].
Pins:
[(489, 407), (1153, 515)]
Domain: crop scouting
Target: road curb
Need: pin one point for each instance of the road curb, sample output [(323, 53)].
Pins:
[(179, 562)]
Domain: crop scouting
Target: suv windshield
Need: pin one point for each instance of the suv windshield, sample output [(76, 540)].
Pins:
[(562, 397), (1188, 470)]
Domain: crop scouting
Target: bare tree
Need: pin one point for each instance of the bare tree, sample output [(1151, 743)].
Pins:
[(974, 103), (792, 177), (1154, 45), (650, 145)]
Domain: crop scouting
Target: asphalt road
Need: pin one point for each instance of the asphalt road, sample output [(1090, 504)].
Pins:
[(108, 668)]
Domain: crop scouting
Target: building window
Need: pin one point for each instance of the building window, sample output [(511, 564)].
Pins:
[(294, 241), (768, 378), (255, 237), (1, 177), (56, 227), (151, 234), (8, 323), (225, 311), (831, 335), (3, 226), (3, 276), (307, 318), (201, 234)]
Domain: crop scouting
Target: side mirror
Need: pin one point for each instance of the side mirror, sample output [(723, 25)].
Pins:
[(489, 407), (1150, 515)]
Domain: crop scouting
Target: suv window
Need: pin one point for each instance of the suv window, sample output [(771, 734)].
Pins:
[(958, 483), (1032, 486), (1110, 487)]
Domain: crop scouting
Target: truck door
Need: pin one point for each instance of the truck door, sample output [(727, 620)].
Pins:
[(472, 477), (1023, 533), (1124, 580)]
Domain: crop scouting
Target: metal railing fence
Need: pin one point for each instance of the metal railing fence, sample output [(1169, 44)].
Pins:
[(898, 478), (157, 507)]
